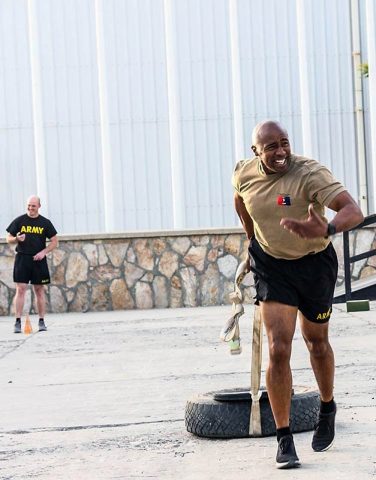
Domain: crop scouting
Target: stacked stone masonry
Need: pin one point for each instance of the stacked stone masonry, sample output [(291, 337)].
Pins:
[(160, 270)]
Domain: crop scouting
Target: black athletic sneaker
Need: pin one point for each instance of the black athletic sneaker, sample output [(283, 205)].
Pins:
[(17, 326), (324, 431), (286, 454), (42, 326)]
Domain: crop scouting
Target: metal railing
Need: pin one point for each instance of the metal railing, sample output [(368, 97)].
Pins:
[(346, 254)]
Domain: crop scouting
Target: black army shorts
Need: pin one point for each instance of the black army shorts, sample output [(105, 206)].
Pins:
[(26, 270), (307, 283)]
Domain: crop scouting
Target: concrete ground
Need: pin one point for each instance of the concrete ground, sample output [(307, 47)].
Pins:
[(102, 396)]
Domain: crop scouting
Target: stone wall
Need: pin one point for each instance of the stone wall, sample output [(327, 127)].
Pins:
[(150, 270)]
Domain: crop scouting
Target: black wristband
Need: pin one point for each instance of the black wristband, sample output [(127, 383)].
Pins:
[(331, 230)]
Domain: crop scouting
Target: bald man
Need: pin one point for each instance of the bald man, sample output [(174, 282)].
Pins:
[(280, 199), (29, 232)]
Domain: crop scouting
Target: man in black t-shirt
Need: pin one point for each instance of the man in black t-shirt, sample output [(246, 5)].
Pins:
[(29, 232)]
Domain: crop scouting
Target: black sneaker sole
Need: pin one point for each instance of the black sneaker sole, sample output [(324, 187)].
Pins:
[(290, 464), (323, 449)]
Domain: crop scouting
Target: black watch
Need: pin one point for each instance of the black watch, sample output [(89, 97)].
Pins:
[(331, 230)]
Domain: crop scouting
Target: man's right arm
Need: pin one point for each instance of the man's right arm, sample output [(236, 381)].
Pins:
[(11, 239), (244, 216), (15, 239)]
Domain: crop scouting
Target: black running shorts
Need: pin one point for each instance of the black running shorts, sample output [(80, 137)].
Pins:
[(26, 270), (307, 283)]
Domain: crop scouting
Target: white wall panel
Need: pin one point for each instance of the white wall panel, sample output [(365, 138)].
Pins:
[(138, 111), (288, 77), (16, 130), (206, 109), (139, 119), (270, 66), (368, 42), (66, 37), (330, 88)]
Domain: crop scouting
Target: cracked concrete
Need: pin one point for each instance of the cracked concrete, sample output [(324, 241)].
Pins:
[(102, 396)]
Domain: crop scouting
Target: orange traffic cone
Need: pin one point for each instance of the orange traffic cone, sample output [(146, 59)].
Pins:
[(28, 328)]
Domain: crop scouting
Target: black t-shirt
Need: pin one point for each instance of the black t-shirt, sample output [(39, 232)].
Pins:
[(36, 231)]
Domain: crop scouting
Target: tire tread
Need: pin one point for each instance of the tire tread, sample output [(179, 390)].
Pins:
[(206, 417)]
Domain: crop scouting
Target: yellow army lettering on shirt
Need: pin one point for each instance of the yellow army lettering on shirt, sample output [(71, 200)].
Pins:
[(30, 229), (324, 315)]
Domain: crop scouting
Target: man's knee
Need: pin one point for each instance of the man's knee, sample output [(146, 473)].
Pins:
[(318, 348), (279, 352), (21, 288), (39, 290)]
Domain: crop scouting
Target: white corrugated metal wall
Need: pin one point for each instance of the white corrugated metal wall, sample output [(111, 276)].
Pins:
[(368, 47), (130, 114)]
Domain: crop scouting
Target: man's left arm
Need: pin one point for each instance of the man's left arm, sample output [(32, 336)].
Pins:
[(51, 246), (348, 216)]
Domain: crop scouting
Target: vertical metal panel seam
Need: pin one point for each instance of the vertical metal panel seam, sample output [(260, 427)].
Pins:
[(371, 35), (95, 98), (39, 138), (19, 117), (208, 120), (329, 117), (157, 120), (7, 172), (120, 122), (303, 80), (237, 105), (131, 134), (177, 172), (84, 155), (276, 50), (143, 110), (250, 60), (292, 93), (218, 211), (205, 116), (69, 110), (58, 132), (313, 86), (109, 201), (363, 201), (340, 119), (266, 114), (195, 202)]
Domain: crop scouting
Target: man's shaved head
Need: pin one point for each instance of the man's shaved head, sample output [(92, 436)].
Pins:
[(33, 206), (264, 127), (270, 143), (34, 199)]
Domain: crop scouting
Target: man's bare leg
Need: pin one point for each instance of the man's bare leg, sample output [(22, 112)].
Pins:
[(321, 355), (41, 299), (280, 322), (322, 361), (19, 299), (41, 305)]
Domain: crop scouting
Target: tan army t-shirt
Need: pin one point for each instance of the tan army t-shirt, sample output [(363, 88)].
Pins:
[(269, 198)]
